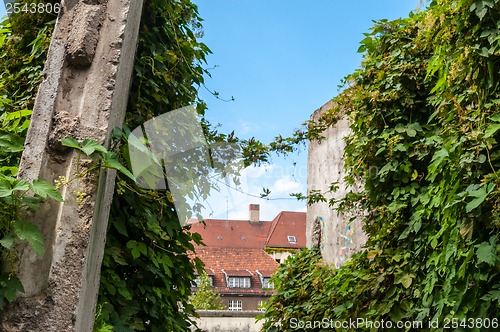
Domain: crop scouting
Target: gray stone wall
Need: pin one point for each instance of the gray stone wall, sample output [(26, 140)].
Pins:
[(336, 234), (83, 95)]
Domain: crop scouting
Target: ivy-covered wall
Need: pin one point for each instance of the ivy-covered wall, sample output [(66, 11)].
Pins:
[(338, 234), (22, 56), (146, 273), (424, 109)]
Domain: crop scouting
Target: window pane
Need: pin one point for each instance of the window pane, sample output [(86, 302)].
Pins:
[(232, 282), (238, 282), (266, 283), (245, 282), (235, 305)]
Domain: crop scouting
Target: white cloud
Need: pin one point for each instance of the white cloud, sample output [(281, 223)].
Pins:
[(285, 186), (248, 127), (253, 172), (232, 201)]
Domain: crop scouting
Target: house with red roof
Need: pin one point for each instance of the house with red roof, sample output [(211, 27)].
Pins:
[(286, 235), (240, 256)]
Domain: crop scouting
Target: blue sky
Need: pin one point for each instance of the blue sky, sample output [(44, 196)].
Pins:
[(280, 60)]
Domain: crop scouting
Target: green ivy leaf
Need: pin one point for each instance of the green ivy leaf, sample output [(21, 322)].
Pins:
[(17, 114), (165, 260), (137, 248), (7, 241), (111, 162), (8, 186), (486, 252), (11, 143), (496, 117), (44, 189), (120, 226), (125, 293), (404, 279), (492, 296), (30, 232), (491, 130), (411, 132), (90, 146), (480, 195), (12, 287), (437, 159), (70, 142)]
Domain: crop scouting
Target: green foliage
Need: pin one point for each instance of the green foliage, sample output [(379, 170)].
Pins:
[(22, 53), (205, 297), (106, 159), (100, 325), (424, 111), (146, 272), (300, 285)]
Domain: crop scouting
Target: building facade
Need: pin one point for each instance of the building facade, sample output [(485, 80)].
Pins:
[(241, 256)]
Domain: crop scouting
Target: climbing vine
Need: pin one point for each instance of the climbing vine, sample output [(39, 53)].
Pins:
[(146, 272), (424, 110), (22, 54)]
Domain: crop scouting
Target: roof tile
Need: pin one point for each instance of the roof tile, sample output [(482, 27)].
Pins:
[(242, 262)]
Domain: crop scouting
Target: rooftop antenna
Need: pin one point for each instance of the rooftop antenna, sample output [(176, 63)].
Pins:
[(227, 208)]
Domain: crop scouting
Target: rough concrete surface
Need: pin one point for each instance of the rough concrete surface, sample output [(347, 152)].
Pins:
[(337, 236), (81, 100), (84, 34)]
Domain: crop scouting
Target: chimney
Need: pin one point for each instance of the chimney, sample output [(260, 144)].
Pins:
[(254, 213)]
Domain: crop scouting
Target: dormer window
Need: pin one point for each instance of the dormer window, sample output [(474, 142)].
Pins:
[(292, 239), (238, 282), (265, 280), (266, 283)]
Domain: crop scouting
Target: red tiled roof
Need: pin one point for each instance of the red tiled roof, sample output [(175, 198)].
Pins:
[(237, 262), (238, 273), (233, 233), (287, 224)]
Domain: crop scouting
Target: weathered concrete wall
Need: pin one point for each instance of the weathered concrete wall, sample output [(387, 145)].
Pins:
[(337, 236), (228, 321), (83, 95)]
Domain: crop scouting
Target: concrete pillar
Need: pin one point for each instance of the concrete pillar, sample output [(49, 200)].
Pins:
[(335, 233), (84, 94)]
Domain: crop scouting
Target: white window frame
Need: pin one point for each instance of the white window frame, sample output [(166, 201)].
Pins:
[(235, 305), (232, 282), (239, 282), (266, 283), (260, 306), (245, 282), (292, 239)]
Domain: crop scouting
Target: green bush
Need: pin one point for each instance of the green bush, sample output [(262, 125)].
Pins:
[(424, 110), (22, 54)]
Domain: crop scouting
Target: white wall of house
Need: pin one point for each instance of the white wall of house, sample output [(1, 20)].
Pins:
[(280, 256), (339, 237)]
